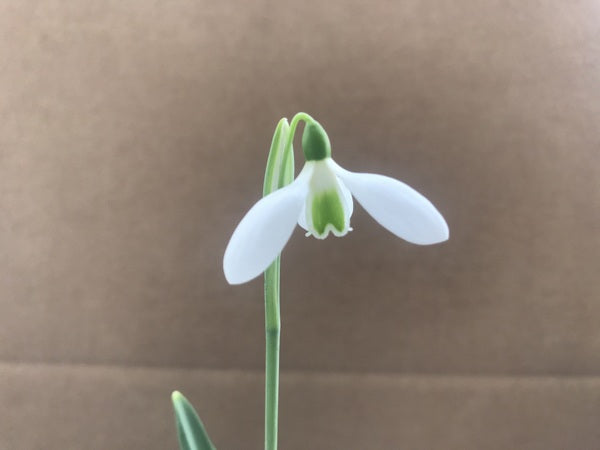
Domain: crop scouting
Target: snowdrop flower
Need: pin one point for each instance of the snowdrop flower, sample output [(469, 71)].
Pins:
[(320, 201)]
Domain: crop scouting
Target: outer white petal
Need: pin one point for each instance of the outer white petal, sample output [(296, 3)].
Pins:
[(348, 200), (397, 207), (302, 217), (263, 232)]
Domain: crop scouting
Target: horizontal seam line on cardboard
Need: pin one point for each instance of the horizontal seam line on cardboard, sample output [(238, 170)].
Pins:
[(302, 373)]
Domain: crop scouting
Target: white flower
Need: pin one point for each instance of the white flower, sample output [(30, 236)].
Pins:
[(320, 201)]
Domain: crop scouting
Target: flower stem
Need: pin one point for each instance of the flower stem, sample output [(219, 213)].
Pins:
[(279, 173), (272, 334)]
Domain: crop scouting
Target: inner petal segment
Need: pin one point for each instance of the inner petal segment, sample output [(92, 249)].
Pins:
[(328, 205), (327, 209)]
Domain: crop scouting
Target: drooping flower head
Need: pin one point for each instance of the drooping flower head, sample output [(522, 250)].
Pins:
[(320, 201)]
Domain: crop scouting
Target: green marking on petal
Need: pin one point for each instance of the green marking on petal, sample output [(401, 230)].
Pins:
[(327, 209)]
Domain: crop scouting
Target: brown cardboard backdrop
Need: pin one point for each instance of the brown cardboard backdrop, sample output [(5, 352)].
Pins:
[(133, 138)]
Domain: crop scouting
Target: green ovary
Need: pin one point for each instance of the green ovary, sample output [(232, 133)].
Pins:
[(327, 209)]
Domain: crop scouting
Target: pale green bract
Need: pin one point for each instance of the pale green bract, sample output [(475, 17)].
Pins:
[(320, 201)]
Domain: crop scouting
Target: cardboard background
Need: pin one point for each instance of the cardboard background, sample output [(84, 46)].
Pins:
[(133, 137)]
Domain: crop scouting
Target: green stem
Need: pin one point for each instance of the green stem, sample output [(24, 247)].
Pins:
[(279, 173), (272, 334)]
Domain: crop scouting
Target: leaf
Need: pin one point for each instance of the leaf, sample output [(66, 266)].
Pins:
[(190, 430)]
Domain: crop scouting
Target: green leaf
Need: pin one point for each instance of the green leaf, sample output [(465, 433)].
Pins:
[(190, 430)]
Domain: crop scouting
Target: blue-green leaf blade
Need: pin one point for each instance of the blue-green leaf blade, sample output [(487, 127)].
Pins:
[(190, 429)]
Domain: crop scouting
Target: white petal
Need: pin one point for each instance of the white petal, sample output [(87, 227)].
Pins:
[(263, 232), (335, 168), (349, 209), (302, 217), (397, 207)]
